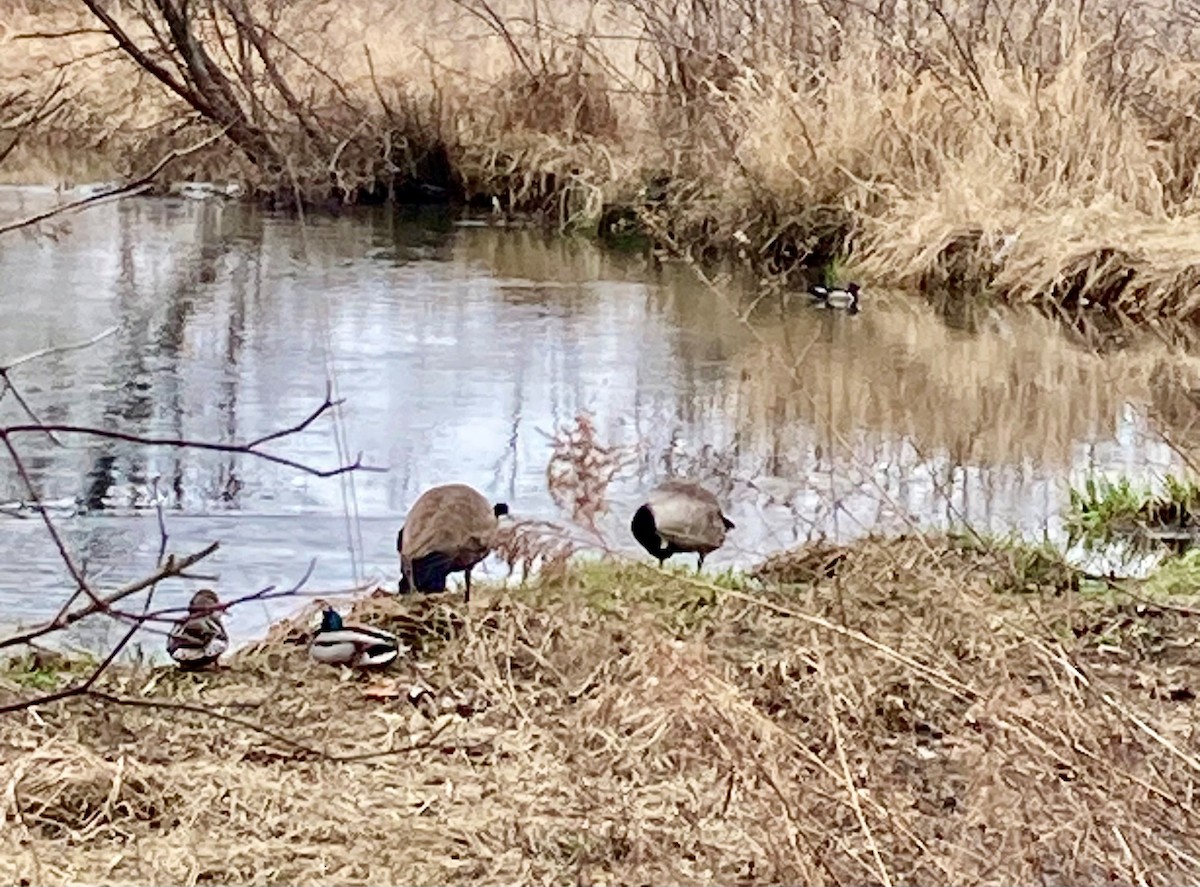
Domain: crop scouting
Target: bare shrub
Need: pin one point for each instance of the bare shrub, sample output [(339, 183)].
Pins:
[(580, 470)]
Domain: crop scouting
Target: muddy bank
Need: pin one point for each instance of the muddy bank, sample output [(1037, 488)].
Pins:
[(914, 711)]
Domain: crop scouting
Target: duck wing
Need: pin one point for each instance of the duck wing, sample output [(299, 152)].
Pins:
[(355, 645), (197, 637)]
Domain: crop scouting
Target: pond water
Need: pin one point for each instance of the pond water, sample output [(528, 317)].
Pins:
[(459, 349)]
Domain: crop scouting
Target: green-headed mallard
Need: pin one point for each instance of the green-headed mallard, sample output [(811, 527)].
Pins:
[(449, 529), (837, 297), (354, 645), (680, 516), (199, 639)]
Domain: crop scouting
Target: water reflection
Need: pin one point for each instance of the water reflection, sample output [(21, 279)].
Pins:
[(459, 348)]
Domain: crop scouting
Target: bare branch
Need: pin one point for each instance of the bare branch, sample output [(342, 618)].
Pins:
[(35, 114), (55, 350), (135, 186), (173, 567), (185, 444), (81, 583), (80, 688)]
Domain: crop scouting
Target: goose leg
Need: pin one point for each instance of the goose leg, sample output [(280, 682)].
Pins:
[(467, 593), (700, 562)]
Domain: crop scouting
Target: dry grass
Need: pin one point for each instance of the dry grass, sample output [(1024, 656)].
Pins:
[(1037, 156), (894, 720)]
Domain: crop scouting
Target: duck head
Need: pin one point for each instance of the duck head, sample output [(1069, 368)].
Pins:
[(331, 620), (204, 601)]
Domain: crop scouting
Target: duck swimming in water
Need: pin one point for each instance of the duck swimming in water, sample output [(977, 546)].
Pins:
[(198, 640), (845, 299), (357, 646), (680, 516)]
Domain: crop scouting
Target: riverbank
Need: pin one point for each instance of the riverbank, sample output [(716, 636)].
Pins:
[(1047, 158), (912, 710)]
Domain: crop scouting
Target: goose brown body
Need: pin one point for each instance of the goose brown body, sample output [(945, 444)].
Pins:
[(680, 516), (449, 529)]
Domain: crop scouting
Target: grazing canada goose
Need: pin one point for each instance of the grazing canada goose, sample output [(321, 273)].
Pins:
[(449, 528), (680, 516), (836, 297), (198, 640), (354, 645)]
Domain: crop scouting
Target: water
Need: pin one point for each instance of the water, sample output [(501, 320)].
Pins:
[(459, 349)]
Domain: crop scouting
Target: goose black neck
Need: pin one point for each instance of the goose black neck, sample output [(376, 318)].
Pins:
[(645, 531)]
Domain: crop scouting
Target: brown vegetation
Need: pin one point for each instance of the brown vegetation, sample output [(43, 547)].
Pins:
[(923, 712), (1041, 152)]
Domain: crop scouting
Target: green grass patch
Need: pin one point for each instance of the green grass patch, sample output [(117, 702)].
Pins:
[(44, 670), (1105, 512), (1019, 566), (676, 596), (1175, 576)]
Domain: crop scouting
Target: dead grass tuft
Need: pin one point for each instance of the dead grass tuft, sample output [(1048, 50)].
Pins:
[(62, 790), (1044, 157), (897, 720)]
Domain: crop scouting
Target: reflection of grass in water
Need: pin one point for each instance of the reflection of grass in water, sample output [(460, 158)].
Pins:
[(1017, 390)]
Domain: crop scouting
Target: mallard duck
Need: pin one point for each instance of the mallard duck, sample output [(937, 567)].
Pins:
[(845, 299), (680, 516), (198, 640), (449, 529), (354, 645)]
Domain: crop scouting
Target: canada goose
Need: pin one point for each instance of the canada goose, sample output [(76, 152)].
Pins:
[(354, 645), (680, 516), (449, 528), (837, 297), (199, 639)]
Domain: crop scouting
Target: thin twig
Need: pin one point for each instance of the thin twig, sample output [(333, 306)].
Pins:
[(173, 567), (847, 776), (57, 349), (135, 186)]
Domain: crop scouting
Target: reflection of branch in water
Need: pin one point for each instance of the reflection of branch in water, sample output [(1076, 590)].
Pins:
[(228, 483), (49, 351)]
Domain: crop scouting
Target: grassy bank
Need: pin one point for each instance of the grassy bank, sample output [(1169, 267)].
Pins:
[(1040, 154), (915, 711)]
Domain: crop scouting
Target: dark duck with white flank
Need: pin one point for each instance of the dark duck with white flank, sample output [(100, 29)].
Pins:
[(845, 299), (356, 646), (680, 516), (449, 529), (198, 640)]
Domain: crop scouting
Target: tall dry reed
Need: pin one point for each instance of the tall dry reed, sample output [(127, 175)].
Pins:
[(1030, 153)]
